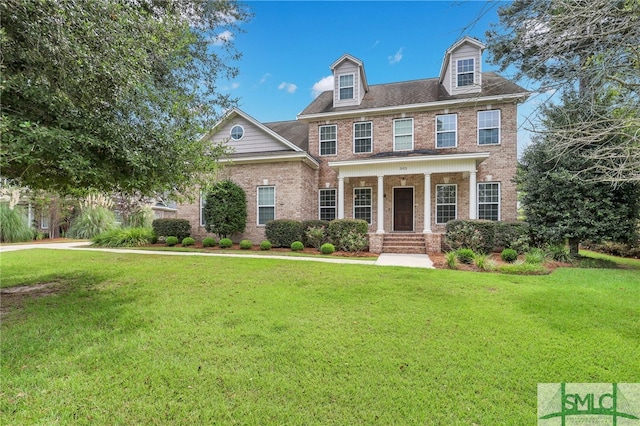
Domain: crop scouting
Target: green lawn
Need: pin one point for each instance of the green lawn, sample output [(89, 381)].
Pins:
[(152, 339)]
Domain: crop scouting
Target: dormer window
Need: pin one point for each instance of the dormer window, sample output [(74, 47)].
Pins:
[(346, 86), (466, 72)]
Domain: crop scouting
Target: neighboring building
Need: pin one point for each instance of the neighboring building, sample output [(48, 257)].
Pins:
[(406, 157)]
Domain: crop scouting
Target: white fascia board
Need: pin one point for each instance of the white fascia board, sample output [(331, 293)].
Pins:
[(415, 159), (411, 107), (293, 156), (447, 54), (236, 111)]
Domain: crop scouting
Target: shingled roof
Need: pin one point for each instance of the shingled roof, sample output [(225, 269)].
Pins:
[(411, 93), (296, 132)]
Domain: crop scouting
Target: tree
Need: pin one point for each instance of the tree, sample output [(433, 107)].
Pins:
[(112, 96), (589, 47), (225, 209), (561, 205)]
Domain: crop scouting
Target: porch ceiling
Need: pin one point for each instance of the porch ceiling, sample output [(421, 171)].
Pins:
[(419, 164)]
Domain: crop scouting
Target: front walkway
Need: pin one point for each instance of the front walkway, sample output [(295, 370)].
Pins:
[(385, 259)]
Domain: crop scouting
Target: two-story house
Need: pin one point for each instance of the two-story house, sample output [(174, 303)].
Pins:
[(407, 157)]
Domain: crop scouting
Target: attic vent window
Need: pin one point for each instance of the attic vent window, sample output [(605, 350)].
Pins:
[(346, 86), (237, 132), (465, 72)]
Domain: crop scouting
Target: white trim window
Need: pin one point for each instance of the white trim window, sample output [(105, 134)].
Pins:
[(446, 131), (446, 203), (329, 140), (362, 137), (362, 204), (489, 127), (236, 132), (489, 200), (346, 86), (403, 134), (44, 219), (327, 202), (202, 203), (266, 204), (465, 72)]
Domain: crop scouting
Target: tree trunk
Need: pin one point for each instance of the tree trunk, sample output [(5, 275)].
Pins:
[(54, 219), (574, 245)]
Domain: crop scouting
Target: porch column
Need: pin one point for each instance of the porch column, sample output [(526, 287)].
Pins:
[(380, 205), (427, 203), (473, 197), (340, 198)]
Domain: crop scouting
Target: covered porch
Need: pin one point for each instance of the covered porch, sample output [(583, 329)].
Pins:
[(397, 193)]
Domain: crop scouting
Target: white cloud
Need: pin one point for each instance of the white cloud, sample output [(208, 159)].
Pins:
[(231, 87), (396, 58), (289, 87), (222, 38), (375, 44), (265, 78), (325, 83)]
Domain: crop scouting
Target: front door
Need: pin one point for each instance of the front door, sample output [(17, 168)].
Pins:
[(403, 209)]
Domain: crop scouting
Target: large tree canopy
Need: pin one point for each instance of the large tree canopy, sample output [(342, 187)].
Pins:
[(591, 48), (112, 95)]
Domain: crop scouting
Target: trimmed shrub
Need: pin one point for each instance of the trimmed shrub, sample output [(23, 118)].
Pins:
[(186, 242), (487, 236), (307, 225), (465, 255), (265, 245), (339, 230), (246, 245), (283, 232), (297, 246), (509, 255), (13, 226), (354, 242), (179, 228), (172, 241), (91, 222), (209, 242), (125, 237), (225, 243), (514, 235), (225, 209), (327, 248)]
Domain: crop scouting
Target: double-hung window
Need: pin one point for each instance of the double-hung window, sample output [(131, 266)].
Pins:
[(403, 134), (328, 140), (446, 131), (266, 204), (362, 137), (327, 204), (362, 204), (346, 86), (465, 72), (489, 201), (446, 203), (489, 127), (203, 201)]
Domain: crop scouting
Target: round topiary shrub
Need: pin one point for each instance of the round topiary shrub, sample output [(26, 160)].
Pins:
[(327, 248), (246, 244), (188, 242), (225, 243), (509, 255), (297, 246), (265, 245), (209, 242), (465, 255), (172, 241)]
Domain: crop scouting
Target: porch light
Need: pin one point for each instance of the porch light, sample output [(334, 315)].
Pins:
[(403, 182)]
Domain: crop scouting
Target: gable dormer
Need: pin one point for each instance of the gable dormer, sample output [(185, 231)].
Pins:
[(461, 70), (349, 81)]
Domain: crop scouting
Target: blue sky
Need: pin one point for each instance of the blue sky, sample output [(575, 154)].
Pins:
[(288, 46)]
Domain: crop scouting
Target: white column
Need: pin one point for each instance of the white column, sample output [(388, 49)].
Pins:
[(473, 197), (427, 203), (340, 198), (380, 205)]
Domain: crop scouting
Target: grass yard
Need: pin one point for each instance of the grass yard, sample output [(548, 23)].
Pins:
[(152, 339)]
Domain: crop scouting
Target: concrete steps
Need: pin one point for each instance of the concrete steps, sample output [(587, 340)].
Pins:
[(404, 243)]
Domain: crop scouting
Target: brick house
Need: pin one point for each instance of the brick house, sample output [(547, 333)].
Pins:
[(406, 157)]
